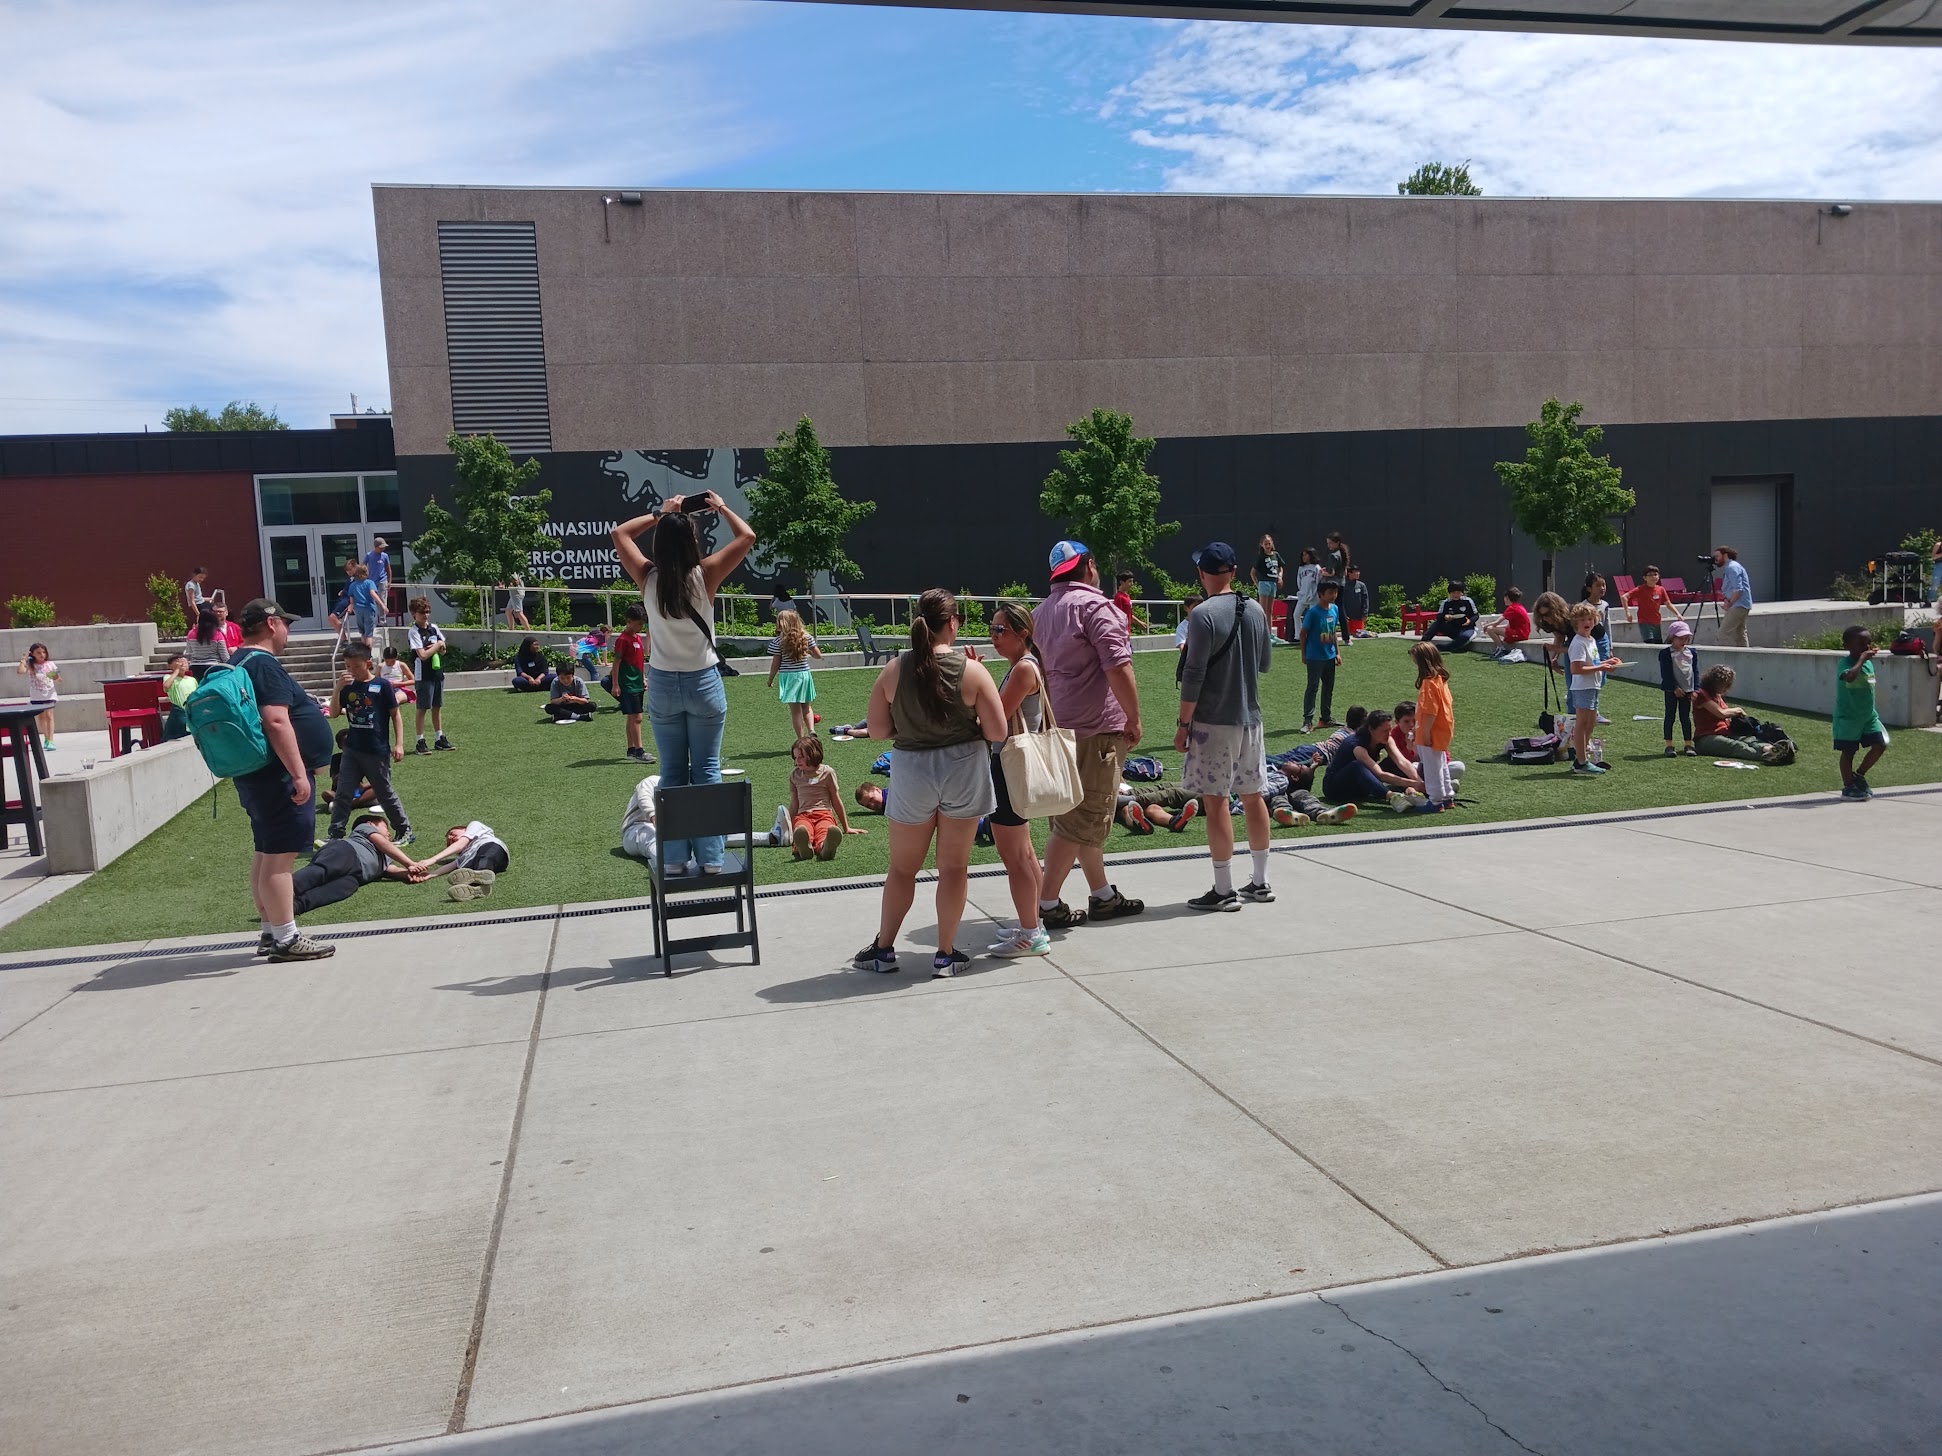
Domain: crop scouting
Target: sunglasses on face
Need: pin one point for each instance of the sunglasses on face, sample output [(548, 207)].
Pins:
[(998, 629)]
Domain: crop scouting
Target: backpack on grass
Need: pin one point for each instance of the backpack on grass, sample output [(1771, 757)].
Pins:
[(1538, 748), (226, 722)]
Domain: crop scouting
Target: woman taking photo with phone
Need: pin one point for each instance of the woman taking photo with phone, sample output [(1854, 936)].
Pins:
[(685, 702)]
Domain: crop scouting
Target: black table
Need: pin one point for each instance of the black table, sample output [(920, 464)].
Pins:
[(19, 717)]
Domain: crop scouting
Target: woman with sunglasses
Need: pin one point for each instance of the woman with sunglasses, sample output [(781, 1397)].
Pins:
[(1022, 697), (941, 711)]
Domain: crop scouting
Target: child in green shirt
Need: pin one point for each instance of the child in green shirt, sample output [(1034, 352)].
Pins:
[(1857, 723)]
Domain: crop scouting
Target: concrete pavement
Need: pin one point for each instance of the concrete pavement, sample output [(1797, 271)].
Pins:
[(467, 1175)]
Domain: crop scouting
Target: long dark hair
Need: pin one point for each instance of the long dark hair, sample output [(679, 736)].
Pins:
[(206, 630), (936, 610), (1343, 547), (677, 552), (528, 651), (1014, 616), (1366, 734)]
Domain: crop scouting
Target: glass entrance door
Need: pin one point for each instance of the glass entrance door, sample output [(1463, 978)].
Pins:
[(305, 569)]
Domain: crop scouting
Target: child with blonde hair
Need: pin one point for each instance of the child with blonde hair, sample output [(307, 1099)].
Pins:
[(1435, 725), (1587, 666), (790, 651)]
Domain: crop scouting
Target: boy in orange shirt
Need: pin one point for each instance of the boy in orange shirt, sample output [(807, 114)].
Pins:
[(1435, 725)]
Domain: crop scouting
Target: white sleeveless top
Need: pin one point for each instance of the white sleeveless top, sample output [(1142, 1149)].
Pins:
[(676, 644)]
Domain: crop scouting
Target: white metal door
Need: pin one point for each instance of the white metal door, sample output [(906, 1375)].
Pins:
[(1746, 516)]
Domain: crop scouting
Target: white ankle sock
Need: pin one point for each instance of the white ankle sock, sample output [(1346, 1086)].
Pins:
[(1048, 905), (1224, 876), (282, 933), (1100, 897), (1260, 857)]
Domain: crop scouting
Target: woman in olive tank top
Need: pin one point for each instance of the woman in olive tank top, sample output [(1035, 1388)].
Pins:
[(942, 713)]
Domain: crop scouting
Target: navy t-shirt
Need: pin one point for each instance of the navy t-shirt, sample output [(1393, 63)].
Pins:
[(276, 688), (367, 709)]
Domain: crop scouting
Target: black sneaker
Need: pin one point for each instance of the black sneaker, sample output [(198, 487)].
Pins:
[(1215, 900), (877, 958), (1862, 784), (1259, 894), (640, 755), (1114, 909), (421, 748), (265, 943), (943, 966), (1060, 917), (442, 744)]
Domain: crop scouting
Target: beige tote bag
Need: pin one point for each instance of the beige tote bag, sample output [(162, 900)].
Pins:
[(1042, 769)]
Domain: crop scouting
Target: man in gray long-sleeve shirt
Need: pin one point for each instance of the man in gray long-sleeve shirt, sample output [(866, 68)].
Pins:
[(1219, 728)]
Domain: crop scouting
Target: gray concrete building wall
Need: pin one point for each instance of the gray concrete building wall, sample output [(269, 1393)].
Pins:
[(702, 319)]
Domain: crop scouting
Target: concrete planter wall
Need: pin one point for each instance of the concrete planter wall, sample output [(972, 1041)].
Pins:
[(1779, 624), (1803, 680), (72, 644), (94, 816)]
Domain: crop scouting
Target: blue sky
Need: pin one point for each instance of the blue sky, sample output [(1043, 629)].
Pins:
[(185, 205)]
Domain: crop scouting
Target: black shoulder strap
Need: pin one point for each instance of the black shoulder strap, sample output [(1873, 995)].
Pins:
[(707, 631), (1240, 610)]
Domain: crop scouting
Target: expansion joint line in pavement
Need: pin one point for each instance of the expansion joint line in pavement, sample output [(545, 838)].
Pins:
[(1249, 1113), (1424, 1367), (463, 1397), (1611, 955)]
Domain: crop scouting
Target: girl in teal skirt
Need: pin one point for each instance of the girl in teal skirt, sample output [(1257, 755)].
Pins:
[(790, 651)]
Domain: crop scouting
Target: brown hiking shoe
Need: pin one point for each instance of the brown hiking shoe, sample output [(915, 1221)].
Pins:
[(1113, 909), (1061, 917)]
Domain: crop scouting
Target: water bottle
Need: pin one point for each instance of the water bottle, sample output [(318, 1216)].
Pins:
[(1597, 750)]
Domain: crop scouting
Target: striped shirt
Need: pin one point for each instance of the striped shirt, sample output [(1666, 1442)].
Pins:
[(786, 661)]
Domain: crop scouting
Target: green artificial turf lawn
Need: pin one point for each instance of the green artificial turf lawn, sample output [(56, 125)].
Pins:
[(556, 794)]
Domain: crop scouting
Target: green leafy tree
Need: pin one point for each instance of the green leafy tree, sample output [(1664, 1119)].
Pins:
[(236, 415), (1103, 495), (165, 606), (1561, 492), (496, 524), (1434, 179), (798, 513)]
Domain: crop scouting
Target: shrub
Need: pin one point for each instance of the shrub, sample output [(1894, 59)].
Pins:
[(973, 609), (1481, 588), (1921, 543), (29, 611), (739, 616), (1015, 589), (97, 620), (165, 606), (1391, 598), (1847, 589), (1384, 624), (1824, 641)]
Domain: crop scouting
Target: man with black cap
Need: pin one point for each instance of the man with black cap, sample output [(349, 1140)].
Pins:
[(1088, 665), (1219, 728), (280, 798)]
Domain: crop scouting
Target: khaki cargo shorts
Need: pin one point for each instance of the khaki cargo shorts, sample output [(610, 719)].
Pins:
[(1101, 757)]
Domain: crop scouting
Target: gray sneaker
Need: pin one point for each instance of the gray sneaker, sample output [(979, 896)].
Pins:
[(301, 947), (470, 884)]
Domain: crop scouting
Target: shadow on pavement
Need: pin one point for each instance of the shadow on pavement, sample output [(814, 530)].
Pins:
[(1815, 1335), (163, 970)]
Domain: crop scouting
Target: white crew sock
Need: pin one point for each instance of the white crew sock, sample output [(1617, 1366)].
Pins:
[(1101, 896), (1045, 905), (1224, 876), (1260, 865), (284, 932)]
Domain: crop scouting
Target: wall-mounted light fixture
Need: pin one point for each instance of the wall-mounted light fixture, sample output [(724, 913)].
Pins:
[(1839, 209), (607, 200)]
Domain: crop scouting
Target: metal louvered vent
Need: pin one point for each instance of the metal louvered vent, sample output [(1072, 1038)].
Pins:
[(494, 345)]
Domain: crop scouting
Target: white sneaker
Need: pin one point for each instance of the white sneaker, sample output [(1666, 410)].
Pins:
[(1398, 800), (1033, 942), (1414, 800), (780, 834)]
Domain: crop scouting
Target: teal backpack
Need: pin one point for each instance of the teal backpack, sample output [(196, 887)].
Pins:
[(226, 722)]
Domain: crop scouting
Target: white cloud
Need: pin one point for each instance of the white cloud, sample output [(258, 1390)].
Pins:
[(1300, 109), (185, 209)]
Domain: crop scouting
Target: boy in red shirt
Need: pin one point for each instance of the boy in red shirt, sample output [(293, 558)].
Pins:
[(1514, 626), (1646, 601), (630, 678)]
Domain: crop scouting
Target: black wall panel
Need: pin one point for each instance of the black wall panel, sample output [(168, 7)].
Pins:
[(1414, 504)]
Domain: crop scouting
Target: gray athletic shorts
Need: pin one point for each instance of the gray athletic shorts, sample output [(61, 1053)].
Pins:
[(1224, 759), (954, 782)]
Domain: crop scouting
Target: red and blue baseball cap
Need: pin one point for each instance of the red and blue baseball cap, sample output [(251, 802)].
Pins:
[(1066, 557)]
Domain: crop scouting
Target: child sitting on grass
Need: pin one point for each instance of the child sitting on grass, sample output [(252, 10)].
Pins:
[(1728, 731), (790, 653), (571, 701), (816, 815), (1857, 722)]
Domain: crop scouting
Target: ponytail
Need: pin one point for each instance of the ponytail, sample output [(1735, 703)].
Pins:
[(936, 610)]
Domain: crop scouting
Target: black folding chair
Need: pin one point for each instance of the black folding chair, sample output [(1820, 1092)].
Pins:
[(872, 654), (693, 812)]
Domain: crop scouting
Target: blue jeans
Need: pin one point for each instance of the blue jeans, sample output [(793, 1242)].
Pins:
[(688, 711)]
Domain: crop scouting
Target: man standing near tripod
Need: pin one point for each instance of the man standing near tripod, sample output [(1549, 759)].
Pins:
[(1736, 593)]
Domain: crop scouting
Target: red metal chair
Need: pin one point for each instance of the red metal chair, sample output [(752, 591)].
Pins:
[(132, 704), (1416, 620), (1623, 585)]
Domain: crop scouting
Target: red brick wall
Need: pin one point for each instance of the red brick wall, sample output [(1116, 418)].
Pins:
[(89, 542)]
